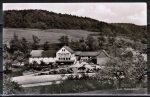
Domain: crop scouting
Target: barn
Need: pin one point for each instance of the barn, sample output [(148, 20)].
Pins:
[(95, 57)]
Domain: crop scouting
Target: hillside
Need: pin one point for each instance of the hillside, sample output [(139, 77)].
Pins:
[(50, 35), (42, 19)]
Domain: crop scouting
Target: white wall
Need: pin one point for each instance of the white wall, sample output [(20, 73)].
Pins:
[(62, 52), (102, 61), (45, 59)]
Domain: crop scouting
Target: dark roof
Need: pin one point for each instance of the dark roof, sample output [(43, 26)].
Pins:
[(36, 53), (105, 53), (49, 53), (77, 53), (69, 49), (89, 54)]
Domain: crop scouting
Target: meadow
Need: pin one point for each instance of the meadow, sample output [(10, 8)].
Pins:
[(50, 35)]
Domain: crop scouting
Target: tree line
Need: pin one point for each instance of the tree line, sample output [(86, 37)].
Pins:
[(42, 19)]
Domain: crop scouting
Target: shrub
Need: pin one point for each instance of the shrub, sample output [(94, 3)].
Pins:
[(11, 87)]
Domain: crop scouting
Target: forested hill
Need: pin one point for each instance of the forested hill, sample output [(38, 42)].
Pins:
[(42, 19)]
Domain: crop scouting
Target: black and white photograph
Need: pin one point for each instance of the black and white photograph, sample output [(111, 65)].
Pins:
[(75, 48)]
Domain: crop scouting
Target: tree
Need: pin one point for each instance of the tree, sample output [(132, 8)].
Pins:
[(90, 42), (35, 44), (125, 70), (107, 31), (64, 40), (82, 46), (18, 56), (19, 44), (46, 45), (81, 40), (7, 64), (25, 45), (101, 40), (111, 40), (14, 44)]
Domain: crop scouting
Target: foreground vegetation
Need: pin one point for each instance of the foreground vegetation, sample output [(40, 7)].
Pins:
[(76, 84)]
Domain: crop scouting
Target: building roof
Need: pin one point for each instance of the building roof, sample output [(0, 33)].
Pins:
[(92, 54), (49, 53), (36, 53), (77, 53), (69, 49), (105, 53)]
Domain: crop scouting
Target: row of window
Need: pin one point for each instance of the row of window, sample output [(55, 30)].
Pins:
[(63, 54)]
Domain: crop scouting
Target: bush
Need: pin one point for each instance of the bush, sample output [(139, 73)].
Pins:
[(11, 87)]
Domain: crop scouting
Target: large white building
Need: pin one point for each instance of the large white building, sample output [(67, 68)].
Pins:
[(67, 56)]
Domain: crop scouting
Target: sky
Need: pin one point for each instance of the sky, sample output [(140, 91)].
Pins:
[(135, 13)]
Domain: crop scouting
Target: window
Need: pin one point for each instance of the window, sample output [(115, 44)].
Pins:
[(68, 58), (63, 49)]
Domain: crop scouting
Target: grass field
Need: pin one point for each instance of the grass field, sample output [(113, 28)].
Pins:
[(50, 35)]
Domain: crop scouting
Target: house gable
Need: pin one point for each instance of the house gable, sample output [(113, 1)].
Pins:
[(65, 49), (65, 52), (102, 54), (69, 49)]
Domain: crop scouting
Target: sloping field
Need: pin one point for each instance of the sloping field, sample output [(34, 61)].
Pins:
[(50, 35)]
